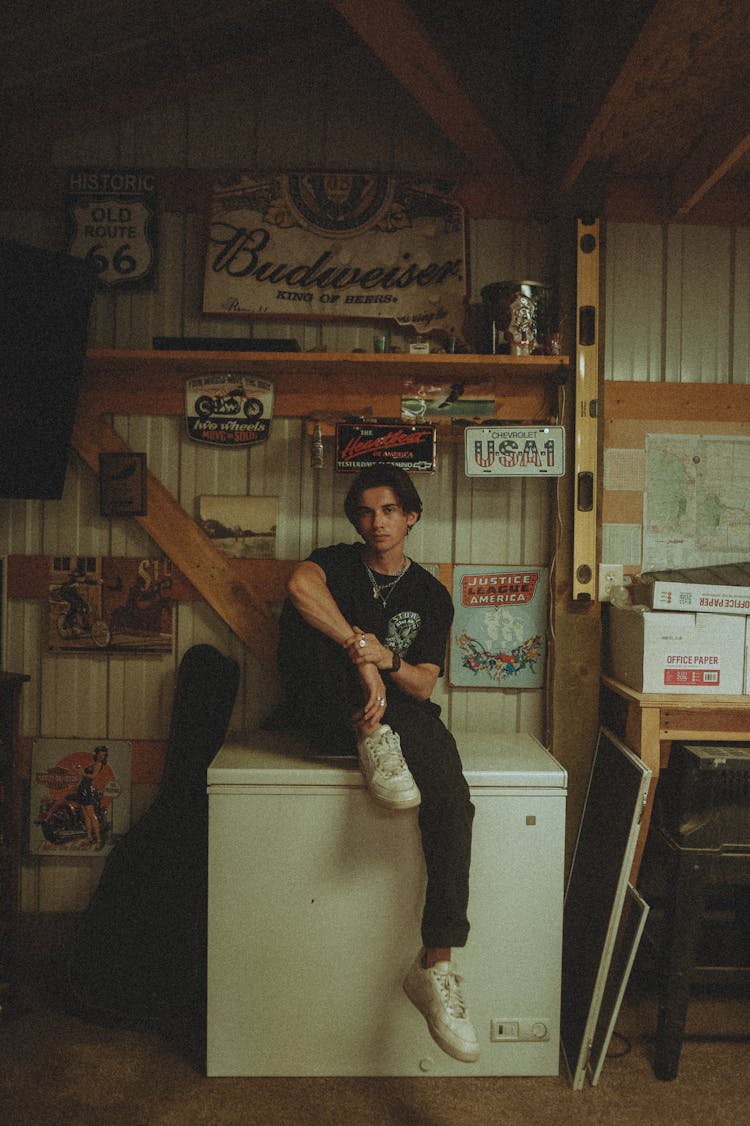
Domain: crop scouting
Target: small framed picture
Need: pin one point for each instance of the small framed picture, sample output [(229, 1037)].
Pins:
[(122, 484)]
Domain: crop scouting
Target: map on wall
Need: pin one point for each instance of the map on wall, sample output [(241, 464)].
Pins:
[(696, 505)]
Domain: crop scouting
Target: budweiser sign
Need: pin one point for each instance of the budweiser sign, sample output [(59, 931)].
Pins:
[(336, 245)]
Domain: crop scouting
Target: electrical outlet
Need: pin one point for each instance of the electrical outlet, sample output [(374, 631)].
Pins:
[(515, 1030), (610, 576)]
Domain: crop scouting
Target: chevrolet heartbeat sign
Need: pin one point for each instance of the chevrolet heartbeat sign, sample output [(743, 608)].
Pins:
[(515, 451), (408, 446)]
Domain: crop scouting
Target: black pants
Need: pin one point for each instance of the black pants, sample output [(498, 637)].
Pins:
[(446, 812), (445, 819)]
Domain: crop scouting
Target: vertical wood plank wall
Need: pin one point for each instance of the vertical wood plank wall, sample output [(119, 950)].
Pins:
[(129, 697), (676, 308)]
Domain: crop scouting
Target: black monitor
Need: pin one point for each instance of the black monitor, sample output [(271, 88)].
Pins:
[(45, 301)]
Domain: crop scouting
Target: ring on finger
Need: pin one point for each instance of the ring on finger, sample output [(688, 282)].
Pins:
[(381, 701), (361, 643)]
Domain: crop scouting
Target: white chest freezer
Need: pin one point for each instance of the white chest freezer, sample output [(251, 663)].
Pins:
[(315, 899)]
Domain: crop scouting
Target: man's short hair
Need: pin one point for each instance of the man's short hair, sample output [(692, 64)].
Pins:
[(383, 476)]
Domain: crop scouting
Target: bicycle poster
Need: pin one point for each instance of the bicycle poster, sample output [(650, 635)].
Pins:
[(100, 604)]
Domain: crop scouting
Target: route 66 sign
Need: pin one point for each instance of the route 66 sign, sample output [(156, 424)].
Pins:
[(228, 410), (111, 221), (514, 451)]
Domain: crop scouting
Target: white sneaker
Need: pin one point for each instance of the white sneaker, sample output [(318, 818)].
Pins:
[(437, 994), (388, 777)]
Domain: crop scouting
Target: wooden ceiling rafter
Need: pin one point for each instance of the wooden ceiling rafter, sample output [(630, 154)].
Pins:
[(651, 92), (716, 155), (623, 89), (663, 40), (392, 32), (43, 117)]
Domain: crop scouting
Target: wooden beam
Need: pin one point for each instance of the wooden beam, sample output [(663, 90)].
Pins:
[(684, 402), (186, 544), (725, 203), (659, 27), (662, 84), (392, 32), (307, 385), (28, 577), (492, 195), (30, 176), (725, 142), (41, 115)]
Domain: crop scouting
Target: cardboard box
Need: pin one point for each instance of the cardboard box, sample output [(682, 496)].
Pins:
[(663, 594), (658, 651)]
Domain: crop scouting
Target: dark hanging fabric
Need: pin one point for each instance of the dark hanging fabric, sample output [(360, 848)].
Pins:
[(140, 950)]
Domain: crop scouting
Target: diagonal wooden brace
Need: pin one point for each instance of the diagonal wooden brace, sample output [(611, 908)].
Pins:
[(186, 544)]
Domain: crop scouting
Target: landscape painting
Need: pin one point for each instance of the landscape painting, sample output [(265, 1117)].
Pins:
[(242, 527)]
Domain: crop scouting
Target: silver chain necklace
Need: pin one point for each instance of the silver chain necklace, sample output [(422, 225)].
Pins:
[(382, 592)]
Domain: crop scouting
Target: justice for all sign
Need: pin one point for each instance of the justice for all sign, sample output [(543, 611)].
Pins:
[(336, 244), (111, 220), (499, 628)]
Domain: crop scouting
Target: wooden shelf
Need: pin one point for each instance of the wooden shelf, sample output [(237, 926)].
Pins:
[(310, 384), (307, 385)]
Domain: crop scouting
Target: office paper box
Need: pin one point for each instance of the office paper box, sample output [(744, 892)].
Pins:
[(722, 589), (661, 651), (692, 597)]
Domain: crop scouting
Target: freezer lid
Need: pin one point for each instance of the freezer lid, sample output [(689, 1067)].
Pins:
[(516, 759), (275, 758), (282, 758)]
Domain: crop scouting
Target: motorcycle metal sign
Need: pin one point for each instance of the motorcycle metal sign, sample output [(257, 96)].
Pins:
[(79, 795), (514, 451), (228, 410), (111, 605)]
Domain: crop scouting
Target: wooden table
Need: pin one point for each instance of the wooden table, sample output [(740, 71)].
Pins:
[(648, 722)]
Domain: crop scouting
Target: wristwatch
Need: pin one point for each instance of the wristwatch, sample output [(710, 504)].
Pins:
[(396, 662)]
